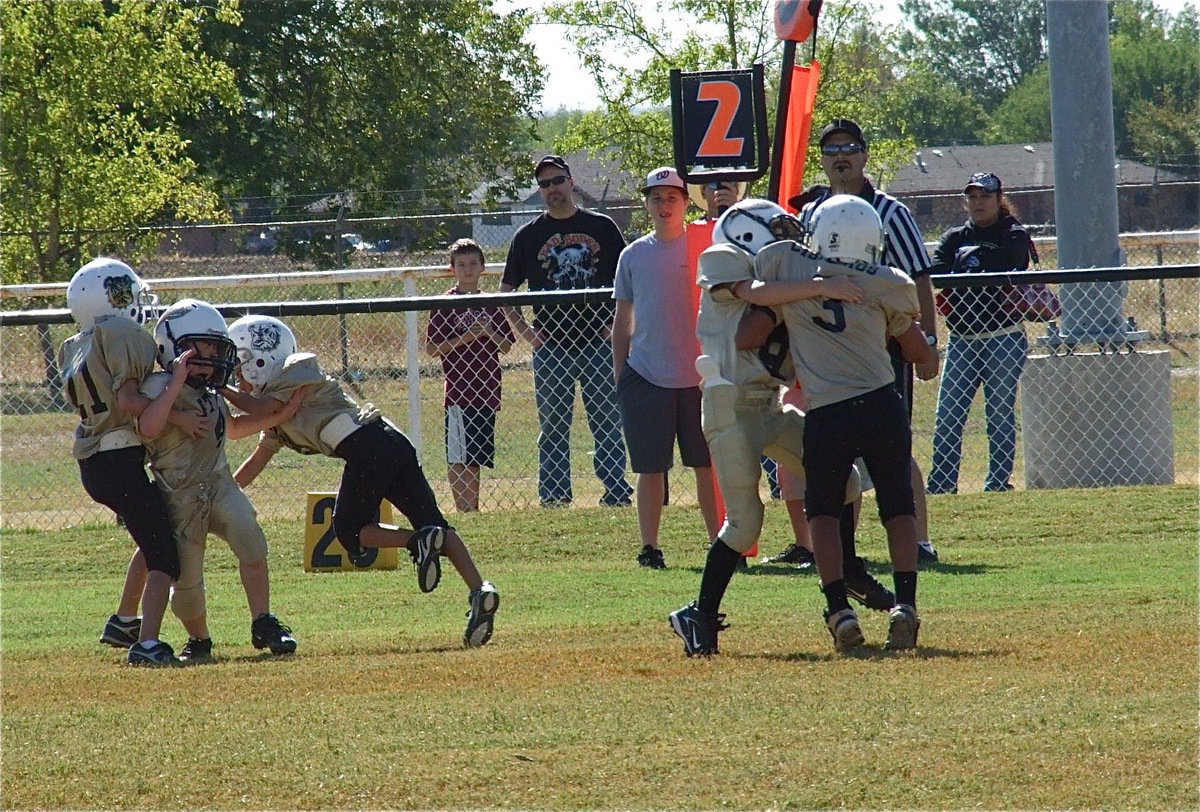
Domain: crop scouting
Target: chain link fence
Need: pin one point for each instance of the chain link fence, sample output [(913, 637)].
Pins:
[(1130, 416)]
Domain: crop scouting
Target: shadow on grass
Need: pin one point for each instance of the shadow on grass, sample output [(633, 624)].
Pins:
[(869, 653), (872, 567)]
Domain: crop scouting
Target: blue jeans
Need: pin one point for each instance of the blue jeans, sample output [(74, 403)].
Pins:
[(555, 372), (996, 363)]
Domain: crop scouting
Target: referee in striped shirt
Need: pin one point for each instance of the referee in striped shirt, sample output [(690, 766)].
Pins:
[(844, 157)]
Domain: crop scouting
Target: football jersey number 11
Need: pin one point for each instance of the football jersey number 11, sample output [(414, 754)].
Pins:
[(97, 405)]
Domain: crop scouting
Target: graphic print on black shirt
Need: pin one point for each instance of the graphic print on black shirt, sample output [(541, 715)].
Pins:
[(570, 260)]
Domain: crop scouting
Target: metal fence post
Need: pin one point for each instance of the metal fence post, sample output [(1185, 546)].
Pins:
[(413, 347)]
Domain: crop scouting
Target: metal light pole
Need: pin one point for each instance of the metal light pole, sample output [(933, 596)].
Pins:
[(1091, 419), (1085, 183)]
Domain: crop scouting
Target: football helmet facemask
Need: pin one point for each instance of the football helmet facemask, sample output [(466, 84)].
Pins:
[(847, 228), (263, 344), (187, 322), (753, 224), (108, 287)]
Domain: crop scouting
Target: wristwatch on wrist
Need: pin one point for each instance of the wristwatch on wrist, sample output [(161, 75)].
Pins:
[(931, 339)]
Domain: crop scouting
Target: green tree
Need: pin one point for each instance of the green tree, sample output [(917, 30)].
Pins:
[(987, 47), (630, 53), (368, 96), (91, 95), (1024, 115), (934, 109), (1156, 83)]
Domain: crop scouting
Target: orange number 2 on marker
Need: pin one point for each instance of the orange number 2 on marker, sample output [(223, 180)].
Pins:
[(717, 143)]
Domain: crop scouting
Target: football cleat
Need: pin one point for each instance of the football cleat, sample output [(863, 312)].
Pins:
[(120, 633), (926, 554), (903, 625), (424, 548), (697, 629), (652, 557), (794, 554), (843, 625), (864, 588), (196, 650), (159, 654), (267, 632), (484, 603)]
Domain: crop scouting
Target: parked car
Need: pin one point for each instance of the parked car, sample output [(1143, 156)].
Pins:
[(355, 242), (260, 242)]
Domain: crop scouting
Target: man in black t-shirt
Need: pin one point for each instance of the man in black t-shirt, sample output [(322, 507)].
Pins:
[(569, 248)]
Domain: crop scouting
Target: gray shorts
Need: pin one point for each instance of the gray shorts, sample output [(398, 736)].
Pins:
[(654, 418)]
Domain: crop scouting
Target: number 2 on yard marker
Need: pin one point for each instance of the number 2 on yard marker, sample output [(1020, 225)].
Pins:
[(717, 143)]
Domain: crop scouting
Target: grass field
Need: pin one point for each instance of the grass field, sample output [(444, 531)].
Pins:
[(1057, 669)]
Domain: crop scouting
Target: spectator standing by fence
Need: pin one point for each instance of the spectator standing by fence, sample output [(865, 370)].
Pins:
[(987, 344), (469, 343), (844, 156), (569, 248), (654, 361)]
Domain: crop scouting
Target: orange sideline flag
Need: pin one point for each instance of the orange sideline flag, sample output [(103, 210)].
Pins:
[(801, 102)]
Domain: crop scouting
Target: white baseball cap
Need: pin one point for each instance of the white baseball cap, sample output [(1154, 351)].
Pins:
[(664, 176)]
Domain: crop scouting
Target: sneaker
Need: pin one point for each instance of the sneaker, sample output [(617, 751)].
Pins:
[(844, 627), (267, 632), (926, 554), (864, 588), (197, 650), (159, 654), (484, 603), (556, 502), (610, 499), (697, 629), (424, 547), (121, 634), (652, 557), (903, 625), (794, 554)]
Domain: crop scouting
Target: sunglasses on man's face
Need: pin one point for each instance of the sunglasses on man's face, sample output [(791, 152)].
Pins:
[(842, 149), (546, 183)]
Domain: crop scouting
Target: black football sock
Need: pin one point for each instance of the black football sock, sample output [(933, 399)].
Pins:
[(906, 587), (846, 531), (835, 596), (718, 571)]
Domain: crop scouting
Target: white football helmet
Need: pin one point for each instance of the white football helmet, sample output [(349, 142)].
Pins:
[(263, 344), (186, 322), (108, 287), (753, 224), (847, 228)]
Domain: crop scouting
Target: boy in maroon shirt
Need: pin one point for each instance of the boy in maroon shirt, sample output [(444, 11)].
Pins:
[(469, 342)]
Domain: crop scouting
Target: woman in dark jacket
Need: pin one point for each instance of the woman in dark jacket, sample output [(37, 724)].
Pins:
[(987, 345)]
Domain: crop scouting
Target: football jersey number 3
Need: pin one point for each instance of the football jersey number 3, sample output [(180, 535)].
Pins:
[(838, 324)]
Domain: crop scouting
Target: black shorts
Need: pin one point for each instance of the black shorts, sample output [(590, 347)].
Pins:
[(902, 371), (118, 480), (471, 436), (653, 418), (873, 426), (381, 463)]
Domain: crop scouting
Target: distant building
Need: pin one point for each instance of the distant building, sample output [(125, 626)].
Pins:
[(1148, 199)]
